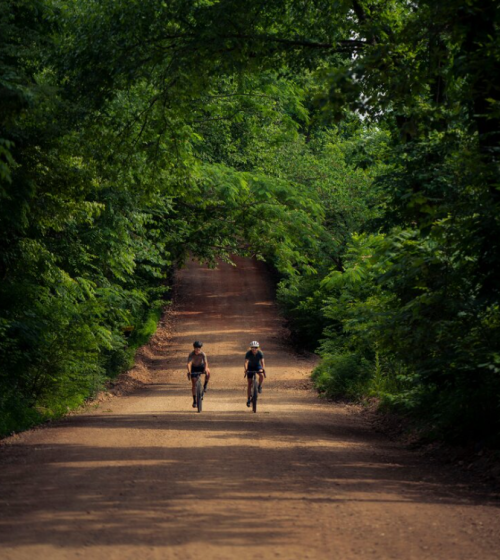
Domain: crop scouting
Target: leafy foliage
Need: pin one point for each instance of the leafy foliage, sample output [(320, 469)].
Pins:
[(353, 144)]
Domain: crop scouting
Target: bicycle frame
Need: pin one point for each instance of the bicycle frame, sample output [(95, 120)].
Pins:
[(199, 389), (254, 395)]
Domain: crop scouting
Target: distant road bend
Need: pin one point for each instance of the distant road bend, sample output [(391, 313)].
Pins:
[(146, 477)]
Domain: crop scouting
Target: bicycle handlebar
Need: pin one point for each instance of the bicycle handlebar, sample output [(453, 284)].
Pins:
[(190, 373), (255, 371)]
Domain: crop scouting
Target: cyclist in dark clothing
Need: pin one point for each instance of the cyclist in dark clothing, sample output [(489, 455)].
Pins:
[(254, 365), (197, 364)]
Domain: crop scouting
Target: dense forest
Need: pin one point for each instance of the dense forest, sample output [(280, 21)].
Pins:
[(352, 144)]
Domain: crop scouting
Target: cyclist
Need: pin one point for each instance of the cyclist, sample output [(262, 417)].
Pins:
[(197, 364), (254, 364)]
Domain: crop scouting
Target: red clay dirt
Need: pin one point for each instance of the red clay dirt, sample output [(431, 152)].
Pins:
[(144, 476)]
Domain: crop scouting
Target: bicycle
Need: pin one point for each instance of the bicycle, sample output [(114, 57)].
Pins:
[(254, 394), (200, 390)]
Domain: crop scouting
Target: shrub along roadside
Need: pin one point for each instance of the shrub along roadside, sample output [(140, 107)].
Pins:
[(72, 391)]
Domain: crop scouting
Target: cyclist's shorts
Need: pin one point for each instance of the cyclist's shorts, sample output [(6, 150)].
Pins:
[(196, 370), (250, 374)]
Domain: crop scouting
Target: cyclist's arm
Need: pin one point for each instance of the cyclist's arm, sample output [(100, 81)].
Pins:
[(206, 365), (189, 365), (263, 366), (246, 367)]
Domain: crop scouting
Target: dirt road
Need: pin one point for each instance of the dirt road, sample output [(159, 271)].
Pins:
[(146, 477)]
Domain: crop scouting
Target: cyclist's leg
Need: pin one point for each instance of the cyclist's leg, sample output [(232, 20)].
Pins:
[(196, 371), (249, 389), (249, 385), (194, 379), (261, 377)]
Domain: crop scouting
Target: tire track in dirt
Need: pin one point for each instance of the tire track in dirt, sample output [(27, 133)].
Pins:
[(144, 476)]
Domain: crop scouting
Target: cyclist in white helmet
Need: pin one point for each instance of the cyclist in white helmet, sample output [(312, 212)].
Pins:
[(254, 365)]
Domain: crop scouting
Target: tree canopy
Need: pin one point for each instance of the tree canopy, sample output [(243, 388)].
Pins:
[(352, 144)]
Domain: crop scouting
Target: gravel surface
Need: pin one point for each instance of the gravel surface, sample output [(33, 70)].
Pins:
[(144, 476)]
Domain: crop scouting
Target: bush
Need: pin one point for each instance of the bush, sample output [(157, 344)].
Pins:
[(343, 375)]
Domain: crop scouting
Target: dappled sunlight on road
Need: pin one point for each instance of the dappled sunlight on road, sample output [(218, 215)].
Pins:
[(145, 476)]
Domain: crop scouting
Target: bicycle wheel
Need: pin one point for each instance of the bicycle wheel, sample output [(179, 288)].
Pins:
[(199, 394), (255, 393)]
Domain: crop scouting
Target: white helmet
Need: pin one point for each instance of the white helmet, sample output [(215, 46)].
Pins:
[(254, 344)]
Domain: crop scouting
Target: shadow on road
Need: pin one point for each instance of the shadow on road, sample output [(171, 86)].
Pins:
[(148, 494)]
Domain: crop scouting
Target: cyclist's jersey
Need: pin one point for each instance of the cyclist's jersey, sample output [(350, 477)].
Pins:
[(198, 360), (254, 360)]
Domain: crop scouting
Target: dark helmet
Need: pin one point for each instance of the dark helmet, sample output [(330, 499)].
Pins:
[(197, 344)]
